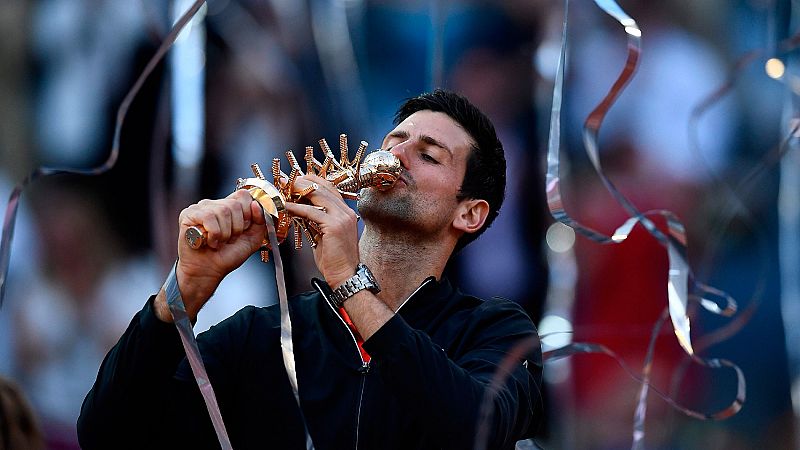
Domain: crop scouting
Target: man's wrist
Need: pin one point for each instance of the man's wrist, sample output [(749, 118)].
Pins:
[(171, 298), (160, 307), (337, 281), (198, 290), (334, 280), (363, 279)]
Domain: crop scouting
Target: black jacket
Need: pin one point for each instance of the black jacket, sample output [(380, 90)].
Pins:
[(431, 364)]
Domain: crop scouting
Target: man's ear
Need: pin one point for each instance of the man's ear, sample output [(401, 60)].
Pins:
[(471, 215)]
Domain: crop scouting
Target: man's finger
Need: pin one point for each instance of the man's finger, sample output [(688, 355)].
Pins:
[(316, 213), (257, 213)]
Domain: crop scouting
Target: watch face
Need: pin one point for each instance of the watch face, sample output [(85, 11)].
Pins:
[(370, 278)]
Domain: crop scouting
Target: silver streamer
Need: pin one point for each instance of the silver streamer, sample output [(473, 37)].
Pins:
[(184, 326), (674, 240), (287, 347)]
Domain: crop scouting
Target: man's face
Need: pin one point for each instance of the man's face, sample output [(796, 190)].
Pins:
[(433, 150)]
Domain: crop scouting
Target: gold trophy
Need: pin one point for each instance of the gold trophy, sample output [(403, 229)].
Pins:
[(380, 169)]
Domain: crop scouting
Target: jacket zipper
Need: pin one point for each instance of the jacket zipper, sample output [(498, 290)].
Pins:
[(364, 365), (364, 370)]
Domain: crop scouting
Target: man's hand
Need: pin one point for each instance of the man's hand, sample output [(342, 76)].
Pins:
[(336, 254), (235, 229)]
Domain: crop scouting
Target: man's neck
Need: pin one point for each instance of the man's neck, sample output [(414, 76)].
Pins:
[(401, 262)]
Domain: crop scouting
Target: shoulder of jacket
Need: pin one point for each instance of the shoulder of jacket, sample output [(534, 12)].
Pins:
[(502, 309)]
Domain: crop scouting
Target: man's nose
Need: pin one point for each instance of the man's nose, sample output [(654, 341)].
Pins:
[(399, 150)]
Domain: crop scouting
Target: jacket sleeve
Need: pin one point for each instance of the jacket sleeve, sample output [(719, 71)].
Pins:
[(133, 377), (449, 391), (142, 397)]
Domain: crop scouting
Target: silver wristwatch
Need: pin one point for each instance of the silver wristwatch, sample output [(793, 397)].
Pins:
[(363, 279)]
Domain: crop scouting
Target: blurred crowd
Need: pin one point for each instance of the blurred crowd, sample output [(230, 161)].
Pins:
[(280, 75)]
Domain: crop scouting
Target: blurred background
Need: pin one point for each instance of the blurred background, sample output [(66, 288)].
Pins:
[(251, 79)]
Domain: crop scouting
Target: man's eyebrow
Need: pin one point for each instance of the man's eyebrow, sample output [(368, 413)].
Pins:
[(430, 140), (400, 134)]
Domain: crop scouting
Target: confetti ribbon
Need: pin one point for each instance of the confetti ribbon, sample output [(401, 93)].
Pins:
[(186, 333), (674, 240), (287, 347)]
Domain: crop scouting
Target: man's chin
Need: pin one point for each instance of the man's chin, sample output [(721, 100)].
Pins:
[(377, 206), (371, 196)]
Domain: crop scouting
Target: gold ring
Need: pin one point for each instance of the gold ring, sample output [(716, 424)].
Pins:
[(321, 208)]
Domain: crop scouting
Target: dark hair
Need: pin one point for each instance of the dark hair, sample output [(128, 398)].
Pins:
[(485, 177)]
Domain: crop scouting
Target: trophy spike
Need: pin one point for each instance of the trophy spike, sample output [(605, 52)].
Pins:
[(293, 161), (312, 165), (276, 171), (343, 150), (257, 171)]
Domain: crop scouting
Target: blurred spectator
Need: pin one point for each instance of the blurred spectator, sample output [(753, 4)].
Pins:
[(19, 429), (73, 311)]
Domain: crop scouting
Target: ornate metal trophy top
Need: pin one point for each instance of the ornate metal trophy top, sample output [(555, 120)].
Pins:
[(379, 169)]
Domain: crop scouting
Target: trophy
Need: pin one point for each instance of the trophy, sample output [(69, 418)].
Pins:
[(379, 169)]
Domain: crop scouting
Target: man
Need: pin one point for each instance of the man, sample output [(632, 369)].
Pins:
[(405, 365)]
